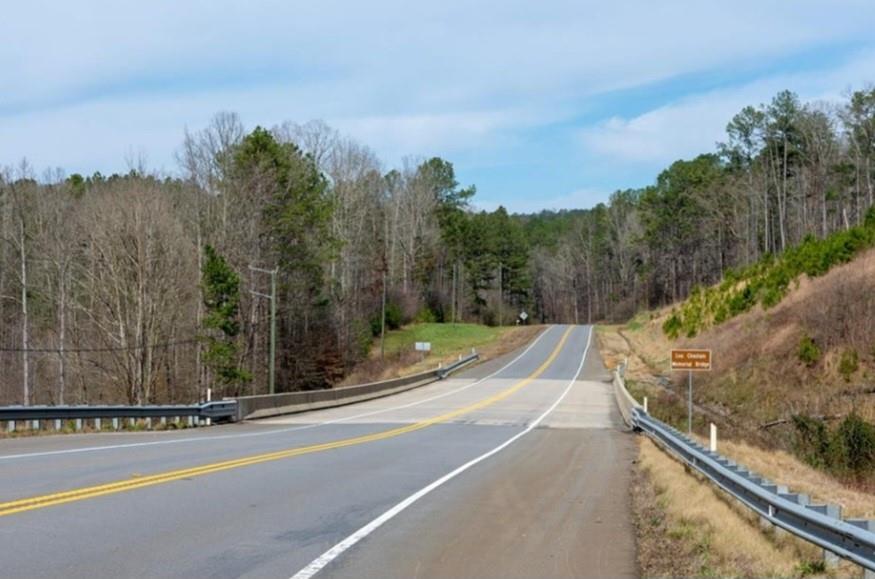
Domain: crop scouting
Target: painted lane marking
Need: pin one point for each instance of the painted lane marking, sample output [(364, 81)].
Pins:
[(43, 501), (208, 438), (337, 550)]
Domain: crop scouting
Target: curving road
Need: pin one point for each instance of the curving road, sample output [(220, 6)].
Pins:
[(517, 468)]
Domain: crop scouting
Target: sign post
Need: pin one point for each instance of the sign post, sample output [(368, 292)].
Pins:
[(691, 361), (423, 347)]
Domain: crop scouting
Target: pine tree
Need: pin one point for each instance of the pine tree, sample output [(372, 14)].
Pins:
[(220, 285)]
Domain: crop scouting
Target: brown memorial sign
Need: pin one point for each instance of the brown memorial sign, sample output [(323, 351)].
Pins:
[(691, 360)]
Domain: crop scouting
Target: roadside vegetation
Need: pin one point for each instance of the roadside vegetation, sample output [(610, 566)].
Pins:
[(448, 342), (108, 293), (445, 339), (686, 528), (767, 282)]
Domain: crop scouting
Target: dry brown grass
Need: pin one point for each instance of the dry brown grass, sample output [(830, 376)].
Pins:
[(616, 345), (777, 465), (760, 348), (784, 468), (686, 529)]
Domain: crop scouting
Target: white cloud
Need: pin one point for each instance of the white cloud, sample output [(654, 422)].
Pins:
[(84, 82), (695, 123), (391, 56)]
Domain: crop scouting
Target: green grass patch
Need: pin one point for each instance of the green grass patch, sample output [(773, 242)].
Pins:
[(446, 339)]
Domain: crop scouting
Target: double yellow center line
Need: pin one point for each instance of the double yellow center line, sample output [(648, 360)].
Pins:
[(80, 494)]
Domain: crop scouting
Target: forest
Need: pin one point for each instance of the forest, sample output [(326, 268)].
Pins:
[(146, 288)]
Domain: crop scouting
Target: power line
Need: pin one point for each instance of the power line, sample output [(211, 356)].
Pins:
[(89, 350)]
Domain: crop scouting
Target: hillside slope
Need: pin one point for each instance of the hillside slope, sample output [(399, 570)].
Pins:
[(813, 353), (787, 376)]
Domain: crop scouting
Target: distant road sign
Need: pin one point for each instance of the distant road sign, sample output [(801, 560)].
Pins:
[(524, 316), (423, 346), (694, 360)]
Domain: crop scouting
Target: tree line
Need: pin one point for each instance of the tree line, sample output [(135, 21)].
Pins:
[(786, 171), (145, 288), (139, 288)]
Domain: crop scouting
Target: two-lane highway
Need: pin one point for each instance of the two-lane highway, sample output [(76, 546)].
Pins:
[(517, 468)]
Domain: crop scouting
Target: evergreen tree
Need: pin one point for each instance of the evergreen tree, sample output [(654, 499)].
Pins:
[(220, 286)]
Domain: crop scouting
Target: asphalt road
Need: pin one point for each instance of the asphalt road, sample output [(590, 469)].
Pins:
[(517, 468)]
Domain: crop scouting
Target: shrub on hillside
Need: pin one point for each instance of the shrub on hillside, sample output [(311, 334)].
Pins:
[(808, 351), (847, 450), (742, 301), (394, 319), (768, 281), (672, 326), (852, 447), (426, 316), (848, 364), (812, 440)]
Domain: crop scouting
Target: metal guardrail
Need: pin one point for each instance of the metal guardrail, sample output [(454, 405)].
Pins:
[(216, 410), (266, 405), (822, 525), (230, 409)]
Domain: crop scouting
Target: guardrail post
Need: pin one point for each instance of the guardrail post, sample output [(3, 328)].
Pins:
[(34, 424), (98, 424), (163, 421), (57, 424), (830, 559), (132, 422), (190, 421), (149, 423), (78, 424), (866, 525), (765, 523), (10, 426)]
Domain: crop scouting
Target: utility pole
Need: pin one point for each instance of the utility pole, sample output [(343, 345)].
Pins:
[(272, 298), (500, 297), (455, 269), (574, 292), (25, 344), (383, 321)]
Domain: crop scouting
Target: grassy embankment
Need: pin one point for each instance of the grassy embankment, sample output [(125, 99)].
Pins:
[(448, 341)]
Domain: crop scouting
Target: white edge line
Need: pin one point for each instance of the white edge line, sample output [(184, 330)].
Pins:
[(208, 438), (337, 550)]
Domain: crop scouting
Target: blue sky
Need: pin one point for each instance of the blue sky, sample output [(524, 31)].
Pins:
[(549, 104)]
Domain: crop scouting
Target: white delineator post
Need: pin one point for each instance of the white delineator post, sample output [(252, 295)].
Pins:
[(713, 445), (645, 404), (209, 399)]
